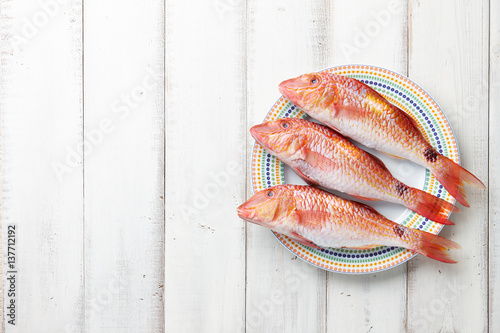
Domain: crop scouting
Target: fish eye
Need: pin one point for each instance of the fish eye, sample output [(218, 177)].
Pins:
[(314, 80), (285, 124), (270, 194)]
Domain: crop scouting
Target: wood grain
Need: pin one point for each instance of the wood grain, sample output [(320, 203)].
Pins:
[(375, 36), (449, 59), (41, 100), (125, 151), (205, 166), (124, 168), (494, 169), (283, 294), (3, 30)]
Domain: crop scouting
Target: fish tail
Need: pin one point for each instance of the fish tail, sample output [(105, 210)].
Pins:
[(429, 206), (453, 177), (435, 247)]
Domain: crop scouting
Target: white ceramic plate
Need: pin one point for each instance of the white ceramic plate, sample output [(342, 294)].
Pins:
[(267, 171)]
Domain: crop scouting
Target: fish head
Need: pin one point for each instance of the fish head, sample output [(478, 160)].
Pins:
[(310, 92), (268, 208), (281, 137)]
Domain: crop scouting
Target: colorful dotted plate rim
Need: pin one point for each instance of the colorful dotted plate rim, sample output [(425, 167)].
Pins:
[(268, 171)]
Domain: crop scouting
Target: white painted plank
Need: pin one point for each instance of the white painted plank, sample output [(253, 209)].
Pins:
[(1, 245), (376, 35), (285, 39), (449, 59), (494, 169), (41, 97), (205, 174), (42, 189), (124, 168)]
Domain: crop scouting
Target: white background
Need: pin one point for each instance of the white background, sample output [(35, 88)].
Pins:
[(139, 232)]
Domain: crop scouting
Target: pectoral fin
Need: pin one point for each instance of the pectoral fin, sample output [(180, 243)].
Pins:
[(302, 240), (318, 160), (308, 180), (347, 111), (312, 219)]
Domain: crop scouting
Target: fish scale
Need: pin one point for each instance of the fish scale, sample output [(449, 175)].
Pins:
[(319, 219), (324, 157), (362, 114)]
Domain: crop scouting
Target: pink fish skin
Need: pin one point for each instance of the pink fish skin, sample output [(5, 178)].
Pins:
[(316, 218), (360, 113), (323, 157)]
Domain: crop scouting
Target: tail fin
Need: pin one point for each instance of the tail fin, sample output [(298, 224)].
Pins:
[(429, 206), (435, 247), (453, 177)]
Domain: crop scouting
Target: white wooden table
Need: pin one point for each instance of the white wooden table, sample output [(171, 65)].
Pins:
[(125, 151)]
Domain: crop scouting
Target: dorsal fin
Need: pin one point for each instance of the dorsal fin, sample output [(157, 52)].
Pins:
[(378, 160), (413, 121), (364, 198), (369, 208), (391, 155)]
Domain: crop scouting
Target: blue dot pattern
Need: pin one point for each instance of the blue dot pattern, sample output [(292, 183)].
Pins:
[(426, 119)]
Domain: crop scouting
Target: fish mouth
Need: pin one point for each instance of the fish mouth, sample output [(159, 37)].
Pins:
[(249, 210), (240, 211), (243, 212), (292, 84), (261, 133), (246, 215), (284, 87), (289, 88), (260, 129)]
